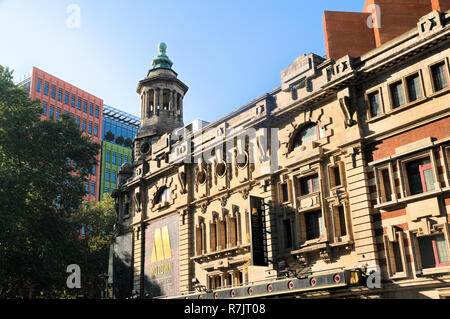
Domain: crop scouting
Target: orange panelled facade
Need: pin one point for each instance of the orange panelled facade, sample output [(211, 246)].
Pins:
[(90, 121)]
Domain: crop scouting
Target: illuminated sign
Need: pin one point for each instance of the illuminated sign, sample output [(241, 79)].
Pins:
[(161, 273)]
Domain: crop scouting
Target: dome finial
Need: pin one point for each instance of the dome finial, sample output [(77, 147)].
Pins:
[(162, 60), (162, 47)]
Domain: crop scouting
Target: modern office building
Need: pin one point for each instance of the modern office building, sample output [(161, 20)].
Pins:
[(336, 184), (58, 97), (119, 130)]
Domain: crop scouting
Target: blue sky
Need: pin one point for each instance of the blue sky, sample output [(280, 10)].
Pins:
[(227, 52)]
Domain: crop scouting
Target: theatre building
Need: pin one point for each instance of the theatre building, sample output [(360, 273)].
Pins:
[(334, 185)]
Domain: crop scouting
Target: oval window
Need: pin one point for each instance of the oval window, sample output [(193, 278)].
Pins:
[(242, 160), (201, 177), (221, 169)]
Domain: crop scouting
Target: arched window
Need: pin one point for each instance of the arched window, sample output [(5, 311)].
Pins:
[(163, 195), (307, 134)]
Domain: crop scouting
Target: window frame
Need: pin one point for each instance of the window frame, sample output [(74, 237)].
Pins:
[(432, 79), (391, 99), (421, 86), (301, 128), (441, 229), (311, 184), (338, 236), (380, 183), (332, 176), (399, 238), (406, 191), (281, 197), (369, 106)]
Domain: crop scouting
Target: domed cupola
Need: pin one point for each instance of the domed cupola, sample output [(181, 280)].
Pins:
[(162, 96)]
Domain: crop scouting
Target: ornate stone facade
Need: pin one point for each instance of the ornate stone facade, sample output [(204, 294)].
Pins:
[(361, 180)]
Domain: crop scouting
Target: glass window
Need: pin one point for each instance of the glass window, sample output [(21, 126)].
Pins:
[(420, 176), (58, 113), (385, 184), (433, 251), (44, 108), (163, 195), (59, 94), (374, 103), (72, 100), (84, 125), (398, 98), (52, 112), (106, 190), (95, 130), (309, 133), (108, 156), (96, 111), (46, 87), (53, 92), (309, 185), (397, 257), (93, 188), (39, 85), (114, 158), (120, 160), (90, 127), (91, 109), (84, 106), (93, 170), (86, 187), (287, 233), (66, 98), (107, 175), (126, 159), (314, 225), (79, 104), (413, 84), (342, 221), (113, 177), (440, 76), (78, 121)]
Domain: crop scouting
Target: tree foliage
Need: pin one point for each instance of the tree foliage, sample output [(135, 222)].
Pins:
[(44, 166), (109, 136), (128, 142)]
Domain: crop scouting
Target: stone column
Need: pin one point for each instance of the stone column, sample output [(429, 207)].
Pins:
[(155, 100), (181, 105), (175, 101), (171, 101), (161, 98), (143, 106)]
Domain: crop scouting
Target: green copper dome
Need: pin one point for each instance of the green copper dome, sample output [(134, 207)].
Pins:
[(162, 60)]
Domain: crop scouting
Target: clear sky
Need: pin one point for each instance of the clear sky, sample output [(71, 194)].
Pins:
[(227, 52)]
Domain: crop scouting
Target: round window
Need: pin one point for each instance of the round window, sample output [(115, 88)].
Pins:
[(145, 148), (221, 169), (201, 177), (242, 160)]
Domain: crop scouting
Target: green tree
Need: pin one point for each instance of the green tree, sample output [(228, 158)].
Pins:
[(109, 136), (128, 142), (41, 190), (120, 140), (97, 220)]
